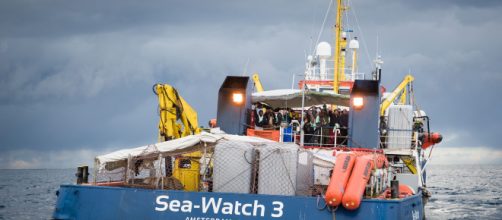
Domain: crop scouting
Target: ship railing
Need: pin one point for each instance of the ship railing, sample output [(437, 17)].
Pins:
[(315, 71), (358, 75), (332, 137), (348, 76), (325, 136)]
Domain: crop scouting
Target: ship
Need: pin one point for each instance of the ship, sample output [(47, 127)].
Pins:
[(338, 147)]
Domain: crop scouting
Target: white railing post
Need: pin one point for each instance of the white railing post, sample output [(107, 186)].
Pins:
[(320, 141), (337, 132)]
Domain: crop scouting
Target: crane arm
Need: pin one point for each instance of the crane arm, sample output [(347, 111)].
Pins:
[(408, 79), (172, 107), (257, 82)]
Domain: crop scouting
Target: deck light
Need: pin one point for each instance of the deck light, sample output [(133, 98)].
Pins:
[(358, 102), (237, 98)]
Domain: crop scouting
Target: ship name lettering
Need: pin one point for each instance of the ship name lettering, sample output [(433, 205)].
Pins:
[(218, 206), (277, 209), (236, 208), (173, 205)]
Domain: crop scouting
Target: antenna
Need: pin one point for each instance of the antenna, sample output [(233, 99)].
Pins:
[(244, 73), (377, 45), (310, 46), (378, 59), (293, 82)]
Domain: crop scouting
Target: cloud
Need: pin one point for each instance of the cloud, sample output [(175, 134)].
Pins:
[(466, 155), (99, 80), (22, 164), (80, 74), (52, 159)]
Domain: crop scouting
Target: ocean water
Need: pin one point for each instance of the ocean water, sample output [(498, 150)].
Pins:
[(459, 192), (465, 192)]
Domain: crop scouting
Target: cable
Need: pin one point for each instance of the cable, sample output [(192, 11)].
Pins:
[(319, 199), (323, 23), (362, 36)]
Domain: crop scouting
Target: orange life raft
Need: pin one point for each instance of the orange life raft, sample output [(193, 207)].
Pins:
[(350, 176), (339, 178)]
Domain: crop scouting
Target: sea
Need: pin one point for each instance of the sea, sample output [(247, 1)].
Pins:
[(458, 192)]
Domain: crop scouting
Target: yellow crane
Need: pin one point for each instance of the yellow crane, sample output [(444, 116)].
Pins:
[(257, 82), (172, 107), (400, 90)]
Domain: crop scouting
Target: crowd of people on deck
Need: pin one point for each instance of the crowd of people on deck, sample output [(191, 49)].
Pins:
[(266, 118), (320, 123)]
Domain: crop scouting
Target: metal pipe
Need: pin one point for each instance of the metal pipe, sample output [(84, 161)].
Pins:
[(320, 141), (302, 133)]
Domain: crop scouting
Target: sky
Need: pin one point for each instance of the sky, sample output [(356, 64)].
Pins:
[(76, 77)]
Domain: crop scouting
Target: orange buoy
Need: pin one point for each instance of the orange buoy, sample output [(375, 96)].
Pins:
[(431, 139), (339, 178), (404, 191), (357, 183), (212, 123), (380, 160)]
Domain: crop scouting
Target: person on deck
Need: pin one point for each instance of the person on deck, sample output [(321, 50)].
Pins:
[(260, 119), (308, 131), (277, 117), (344, 123)]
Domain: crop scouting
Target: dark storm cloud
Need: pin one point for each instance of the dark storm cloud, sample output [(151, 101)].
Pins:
[(453, 51), (63, 18), (78, 75), (452, 3)]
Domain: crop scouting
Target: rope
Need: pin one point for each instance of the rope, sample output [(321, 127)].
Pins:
[(323, 23), (333, 212), (319, 199), (362, 35)]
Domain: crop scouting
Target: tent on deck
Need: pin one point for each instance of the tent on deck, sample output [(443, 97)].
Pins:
[(293, 98), (182, 145)]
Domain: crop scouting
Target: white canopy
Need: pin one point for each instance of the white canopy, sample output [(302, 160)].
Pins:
[(185, 144), (293, 98)]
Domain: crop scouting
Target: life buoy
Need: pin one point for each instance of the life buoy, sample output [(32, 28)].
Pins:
[(431, 139)]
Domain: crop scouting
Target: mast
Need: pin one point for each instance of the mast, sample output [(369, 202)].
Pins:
[(354, 46), (340, 44)]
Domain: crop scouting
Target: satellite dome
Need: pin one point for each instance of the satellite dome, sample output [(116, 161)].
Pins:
[(323, 50), (354, 44)]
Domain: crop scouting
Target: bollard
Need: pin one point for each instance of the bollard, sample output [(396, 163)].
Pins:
[(85, 174), (79, 175), (394, 189)]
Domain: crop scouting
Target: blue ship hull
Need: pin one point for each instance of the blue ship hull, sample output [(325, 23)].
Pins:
[(98, 202)]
